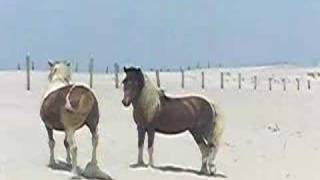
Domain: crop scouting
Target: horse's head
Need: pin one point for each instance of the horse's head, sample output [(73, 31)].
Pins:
[(59, 71), (132, 84)]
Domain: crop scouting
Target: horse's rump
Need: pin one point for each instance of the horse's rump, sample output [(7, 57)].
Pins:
[(81, 99)]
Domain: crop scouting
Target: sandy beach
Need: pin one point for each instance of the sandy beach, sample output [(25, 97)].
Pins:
[(269, 135)]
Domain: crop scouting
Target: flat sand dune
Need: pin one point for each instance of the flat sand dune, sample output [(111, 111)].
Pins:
[(269, 135)]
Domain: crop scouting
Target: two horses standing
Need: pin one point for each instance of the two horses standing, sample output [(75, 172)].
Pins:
[(68, 107)]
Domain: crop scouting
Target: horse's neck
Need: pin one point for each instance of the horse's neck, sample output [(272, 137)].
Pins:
[(148, 102), (55, 85)]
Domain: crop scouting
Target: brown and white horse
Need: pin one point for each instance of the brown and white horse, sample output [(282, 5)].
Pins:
[(153, 111), (68, 107)]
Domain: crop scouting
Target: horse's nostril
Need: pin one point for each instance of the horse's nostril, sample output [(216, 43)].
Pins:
[(124, 102)]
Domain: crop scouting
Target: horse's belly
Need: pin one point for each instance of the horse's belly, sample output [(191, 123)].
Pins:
[(170, 131), (172, 127)]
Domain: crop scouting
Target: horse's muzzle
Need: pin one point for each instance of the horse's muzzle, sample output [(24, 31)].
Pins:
[(125, 102)]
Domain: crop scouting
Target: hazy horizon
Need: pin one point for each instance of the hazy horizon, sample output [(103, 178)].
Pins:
[(160, 33)]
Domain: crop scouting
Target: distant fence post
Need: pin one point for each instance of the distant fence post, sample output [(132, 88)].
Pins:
[(76, 67), (298, 83), (221, 80), (91, 71), (284, 84), (255, 82), (116, 73), (107, 70), (239, 80), (182, 78), (28, 71), (18, 67), (202, 80), (309, 84), (32, 65), (158, 78), (270, 84)]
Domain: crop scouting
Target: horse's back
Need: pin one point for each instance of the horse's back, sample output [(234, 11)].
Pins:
[(53, 107), (179, 114)]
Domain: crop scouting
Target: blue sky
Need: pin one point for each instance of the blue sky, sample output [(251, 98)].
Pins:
[(164, 33)]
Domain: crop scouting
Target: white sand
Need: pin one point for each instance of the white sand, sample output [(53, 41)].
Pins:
[(251, 150)]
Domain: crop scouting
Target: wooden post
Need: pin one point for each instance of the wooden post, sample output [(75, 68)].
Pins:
[(221, 80), (239, 80), (270, 84), (158, 78), (284, 84), (182, 78), (91, 71), (28, 71), (107, 70), (116, 73), (298, 83), (309, 84), (76, 67), (202, 80), (255, 81), (18, 67), (32, 66)]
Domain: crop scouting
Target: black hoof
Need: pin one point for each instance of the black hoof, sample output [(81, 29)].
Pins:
[(139, 165)]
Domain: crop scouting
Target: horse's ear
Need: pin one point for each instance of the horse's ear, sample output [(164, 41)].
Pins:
[(139, 69), (68, 64), (50, 63), (125, 69)]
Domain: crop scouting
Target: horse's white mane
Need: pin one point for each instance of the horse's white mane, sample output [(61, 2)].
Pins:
[(60, 76), (149, 99)]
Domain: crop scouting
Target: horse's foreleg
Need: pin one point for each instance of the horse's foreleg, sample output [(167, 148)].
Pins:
[(151, 134), (73, 150), (141, 136), (52, 161)]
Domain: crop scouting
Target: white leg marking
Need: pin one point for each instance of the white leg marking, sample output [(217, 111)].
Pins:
[(150, 152)]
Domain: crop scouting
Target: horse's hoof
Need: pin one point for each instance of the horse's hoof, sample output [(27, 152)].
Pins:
[(139, 165), (76, 177), (92, 171), (204, 171), (212, 170), (151, 165)]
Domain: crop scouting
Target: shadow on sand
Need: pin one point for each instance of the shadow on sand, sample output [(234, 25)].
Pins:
[(90, 172), (175, 169)]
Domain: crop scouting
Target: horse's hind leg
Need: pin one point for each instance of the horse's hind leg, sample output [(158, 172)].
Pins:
[(73, 150), (212, 149), (95, 139), (52, 162), (66, 145), (203, 149)]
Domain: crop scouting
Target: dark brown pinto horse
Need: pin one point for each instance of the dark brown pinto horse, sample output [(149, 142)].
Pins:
[(153, 111), (67, 107)]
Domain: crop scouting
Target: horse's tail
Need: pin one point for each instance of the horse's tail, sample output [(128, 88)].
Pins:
[(85, 102), (218, 125)]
